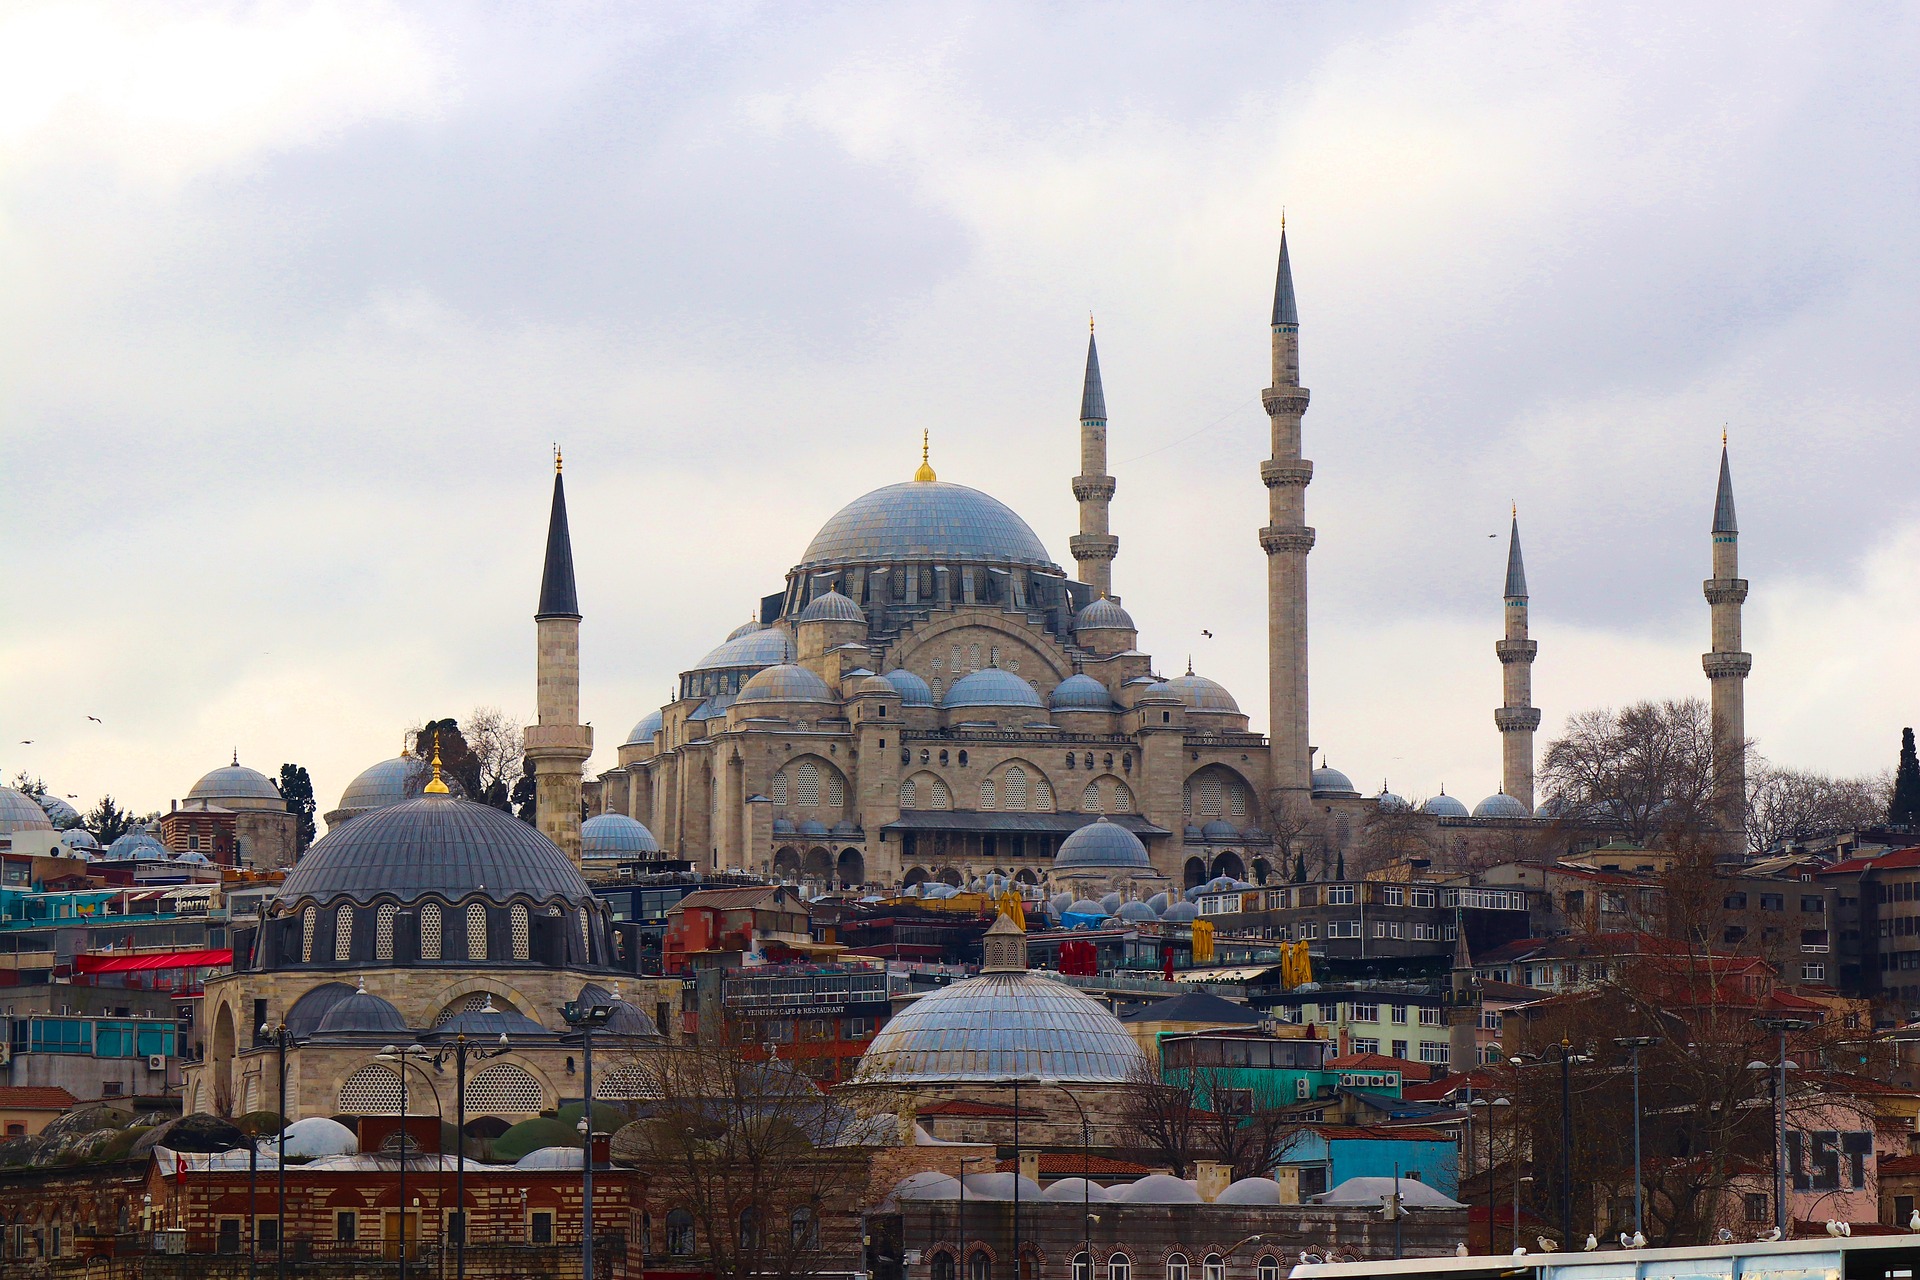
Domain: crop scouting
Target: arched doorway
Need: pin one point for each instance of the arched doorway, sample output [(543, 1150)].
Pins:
[(1024, 876), (1229, 864), (949, 876), (918, 875), (853, 867), (221, 1066), (1195, 873), (818, 865), (786, 864)]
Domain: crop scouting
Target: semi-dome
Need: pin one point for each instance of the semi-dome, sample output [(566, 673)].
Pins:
[(1501, 805), (1102, 845), (439, 845), (644, 729), (1200, 693), (615, 835), (991, 687), (1080, 693), (1103, 615), (379, 785), (926, 520), (832, 607), (764, 647), (18, 812), (1328, 781), (914, 692), (1444, 806), (58, 811), (234, 786), (999, 1025), (1219, 829), (363, 1013), (785, 683)]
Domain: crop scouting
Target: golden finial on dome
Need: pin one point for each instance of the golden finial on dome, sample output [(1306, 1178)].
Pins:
[(556, 459), (436, 787), (1089, 322), (925, 474), (1723, 437)]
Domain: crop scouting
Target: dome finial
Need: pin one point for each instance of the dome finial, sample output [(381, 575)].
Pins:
[(925, 474), (556, 457), (1089, 322), (236, 756), (436, 787), (1189, 664)]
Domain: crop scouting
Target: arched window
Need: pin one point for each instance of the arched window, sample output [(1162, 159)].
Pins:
[(780, 788), (522, 943), (252, 1102), (906, 794), (1082, 1266), (502, 1087), (680, 1234), (383, 931), (1122, 801), (1090, 802), (343, 934), (808, 779), (989, 795), (943, 1266), (749, 1224), (372, 1090), (430, 931), (979, 1266), (1042, 794), (804, 1228), (1214, 1268), (837, 788), (1177, 1267), (309, 921), (586, 935), (1237, 800), (1210, 797), (1016, 779), (476, 931), (1269, 1267), (1119, 1267), (1186, 799), (942, 798)]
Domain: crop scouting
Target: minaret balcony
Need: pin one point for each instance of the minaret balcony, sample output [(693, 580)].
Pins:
[(1094, 546), (1512, 651), (1279, 400), (1725, 590), (1727, 666), (1276, 541), (1516, 719), (1093, 488), (1278, 473)]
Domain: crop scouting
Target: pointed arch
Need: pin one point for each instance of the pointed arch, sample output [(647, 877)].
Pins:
[(1023, 787)]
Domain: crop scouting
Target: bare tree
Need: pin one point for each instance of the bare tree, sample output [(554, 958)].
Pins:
[(1648, 771), (498, 744), (1203, 1113), (1393, 833), (1792, 806)]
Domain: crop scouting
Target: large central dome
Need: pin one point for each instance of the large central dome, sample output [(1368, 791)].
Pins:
[(926, 520)]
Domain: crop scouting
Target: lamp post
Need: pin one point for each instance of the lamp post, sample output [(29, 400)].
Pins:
[(1487, 1104), (409, 1056), (1781, 1027), (1636, 1044), (1086, 1163), (280, 1036), (585, 1017), (1567, 1057), (461, 1051)]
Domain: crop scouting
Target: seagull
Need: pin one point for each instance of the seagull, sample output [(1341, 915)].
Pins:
[(1460, 1251), (1833, 1228), (1846, 1229), (1519, 1251), (1774, 1235), (1639, 1241), (1723, 1236), (1913, 1223), (1310, 1259), (96, 719), (1208, 634), (1546, 1245), (1593, 1242), (26, 742), (1626, 1241)]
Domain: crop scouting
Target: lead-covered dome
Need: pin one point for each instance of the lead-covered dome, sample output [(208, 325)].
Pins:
[(991, 687), (615, 835), (1444, 806), (234, 786), (58, 811), (765, 647), (832, 607), (363, 1014), (785, 683), (999, 1025), (1080, 693), (1103, 615), (926, 520), (914, 692), (643, 731), (18, 812), (1501, 805), (1329, 781), (1102, 845), (1201, 694), (435, 845)]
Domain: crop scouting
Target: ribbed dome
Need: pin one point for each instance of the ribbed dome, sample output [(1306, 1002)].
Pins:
[(644, 729), (234, 786), (1328, 781), (1136, 911), (1180, 913), (1103, 615), (832, 607), (765, 647), (379, 785), (1501, 805), (363, 1014), (615, 835), (914, 692), (991, 687), (1201, 693), (1102, 845), (137, 845), (999, 1025), (18, 812), (78, 838), (434, 845), (785, 683), (1387, 800), (58, 811), (926, 520), (1444, 806), (746, 628), (1080, 693)]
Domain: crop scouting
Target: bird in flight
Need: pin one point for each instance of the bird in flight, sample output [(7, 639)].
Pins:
[(1208, 634), (26, 742), (96, 719)]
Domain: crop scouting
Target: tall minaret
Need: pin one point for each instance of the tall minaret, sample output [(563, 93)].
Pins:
[(1093, 547), (1517, 716), (557, 744), (1727, 666), (1287, 540)]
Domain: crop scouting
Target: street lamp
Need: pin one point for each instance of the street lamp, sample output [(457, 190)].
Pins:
[(1488, 1104), (409, 1056), (461, 1051), (1781, 1026), (585, 1017), (280, 1037), (1636, 1044), (1086, 1167), (1566, 1057)]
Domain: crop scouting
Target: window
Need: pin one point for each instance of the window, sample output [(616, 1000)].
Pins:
[(346, 1225), (1177, 1267), (1365, 1044), (1813, 972), (780, 789), (804, 1228), (1269, 1268), (837, 785), (1434, 1053), (906, 794), (1082, 1266), (1400, 1049), (540, 1227), (807, 780), (430, 932), (1366, 1013), (1430, 1017), (942, 799), (1391, 895), (372, 1090), (1755, 1204), (1090, 800), (1119, 1267), (989, 795), (680, 1234), (1340, 895), (229, 1241), (1735, 902), (943, 1266), (1016, 780), (502, 1087), (1773, 902), (309, 919), (1122, 800), (1214, 1268), (383, 931), (476, 931), (979, 1267), (1379, 928)]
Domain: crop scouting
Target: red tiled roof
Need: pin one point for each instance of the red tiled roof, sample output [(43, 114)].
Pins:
[(1068, 1164), (1899, 1166), (1897, 860), (955, 1107), (35, 1097), (1376, 1062)]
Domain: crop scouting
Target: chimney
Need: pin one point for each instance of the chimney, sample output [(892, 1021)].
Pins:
[(1030, 1166), (1212, 1178), (1288, 1176)]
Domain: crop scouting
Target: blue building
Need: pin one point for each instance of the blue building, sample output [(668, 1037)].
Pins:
[(1328, 1154)]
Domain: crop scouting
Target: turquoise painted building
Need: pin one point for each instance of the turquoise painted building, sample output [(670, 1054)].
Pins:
[(1327, 1155)]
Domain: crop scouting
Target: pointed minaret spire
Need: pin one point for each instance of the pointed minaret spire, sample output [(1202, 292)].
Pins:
[(1727, 665), (1284, 311), (557, 744), (1094, 547), (1287, 539), (1517, 717)]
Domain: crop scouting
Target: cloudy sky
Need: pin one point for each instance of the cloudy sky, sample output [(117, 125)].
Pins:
[(295, 298)]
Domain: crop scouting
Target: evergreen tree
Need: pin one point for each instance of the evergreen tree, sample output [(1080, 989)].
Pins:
[(1300, 868), (108, 821), (297, 787), (1905, 809)]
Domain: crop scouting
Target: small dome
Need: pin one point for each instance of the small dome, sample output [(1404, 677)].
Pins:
[(1060, 902), (317, 1136), (379, 785), (1219, 829), (877, 684), (746, 628), (196, 858), (1079, 1191), (18, 812), (832, 607), (137, 845), (813, 827), (1553, 807), (1250, 1191), (1159, 902), (991, 687), (785, 683), (643, 731), (764, 647), (914, 692), (1087, 907), (78, 838), (615, 835), (1180, 913), (1444, 806), (58, 811), (1102, 844), (1328, 781), (234, 786), (1201, 694), (1389, 801), (1136, 911), (929, 1184), (999, 1186), (362, 1014), (1001, 1024), (1160, 1188), (1501, 805), (553, 1158), (1080, 693), (1103, 615), (1110, 903)]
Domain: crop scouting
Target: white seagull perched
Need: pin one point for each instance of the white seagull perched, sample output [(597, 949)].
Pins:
[(1639, 1240), (1519, 1251), (1846, 1228), (1913, 1223), (1771, 1236), (1833, 1228), (1723, 1236), (1626, 1241), (1593, 1242), (1546, 1245), (1460, 1250)]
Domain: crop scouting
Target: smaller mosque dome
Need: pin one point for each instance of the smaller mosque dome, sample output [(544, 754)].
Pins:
[(1161, 1188), (137, 845), (1387, 800), (1080, 693), (991, 687), (1553, 807), (878, 684), (643, 731), (561, 1158), (1501, 805), (58, 811), (18, 812), (1219, 829), (746, 628), (77, 838), (1444, 806), (1103, 615), (1087, 907), (1138, 911), (1102, 845), (1078, 1191), (832, 607), (1110, 903), (1201, 694), (234, 786), (362, 1014), (318, 1136), (1328, 781), (1250, 1191), (763, 647), (379, 785), (1060, 902), (785, 683), (1159, 902), (615, 835), (1180, 913), (914, 692)]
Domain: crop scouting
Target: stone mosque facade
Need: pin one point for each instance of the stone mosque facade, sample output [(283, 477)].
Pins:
[(933, 697)]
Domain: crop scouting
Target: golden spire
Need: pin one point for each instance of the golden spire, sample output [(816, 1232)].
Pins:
[(1516, 508), (1723, 437), (556, 459), (925, 474), (436, 787), (1089, 322)]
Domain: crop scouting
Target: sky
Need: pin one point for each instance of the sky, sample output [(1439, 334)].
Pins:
[(296, 298)]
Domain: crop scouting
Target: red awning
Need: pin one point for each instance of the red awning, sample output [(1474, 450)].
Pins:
[(156, 960)]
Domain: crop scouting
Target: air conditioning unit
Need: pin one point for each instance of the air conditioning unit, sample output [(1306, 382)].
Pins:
[(6, 1056), (1302, 1088), (156, 1062)]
